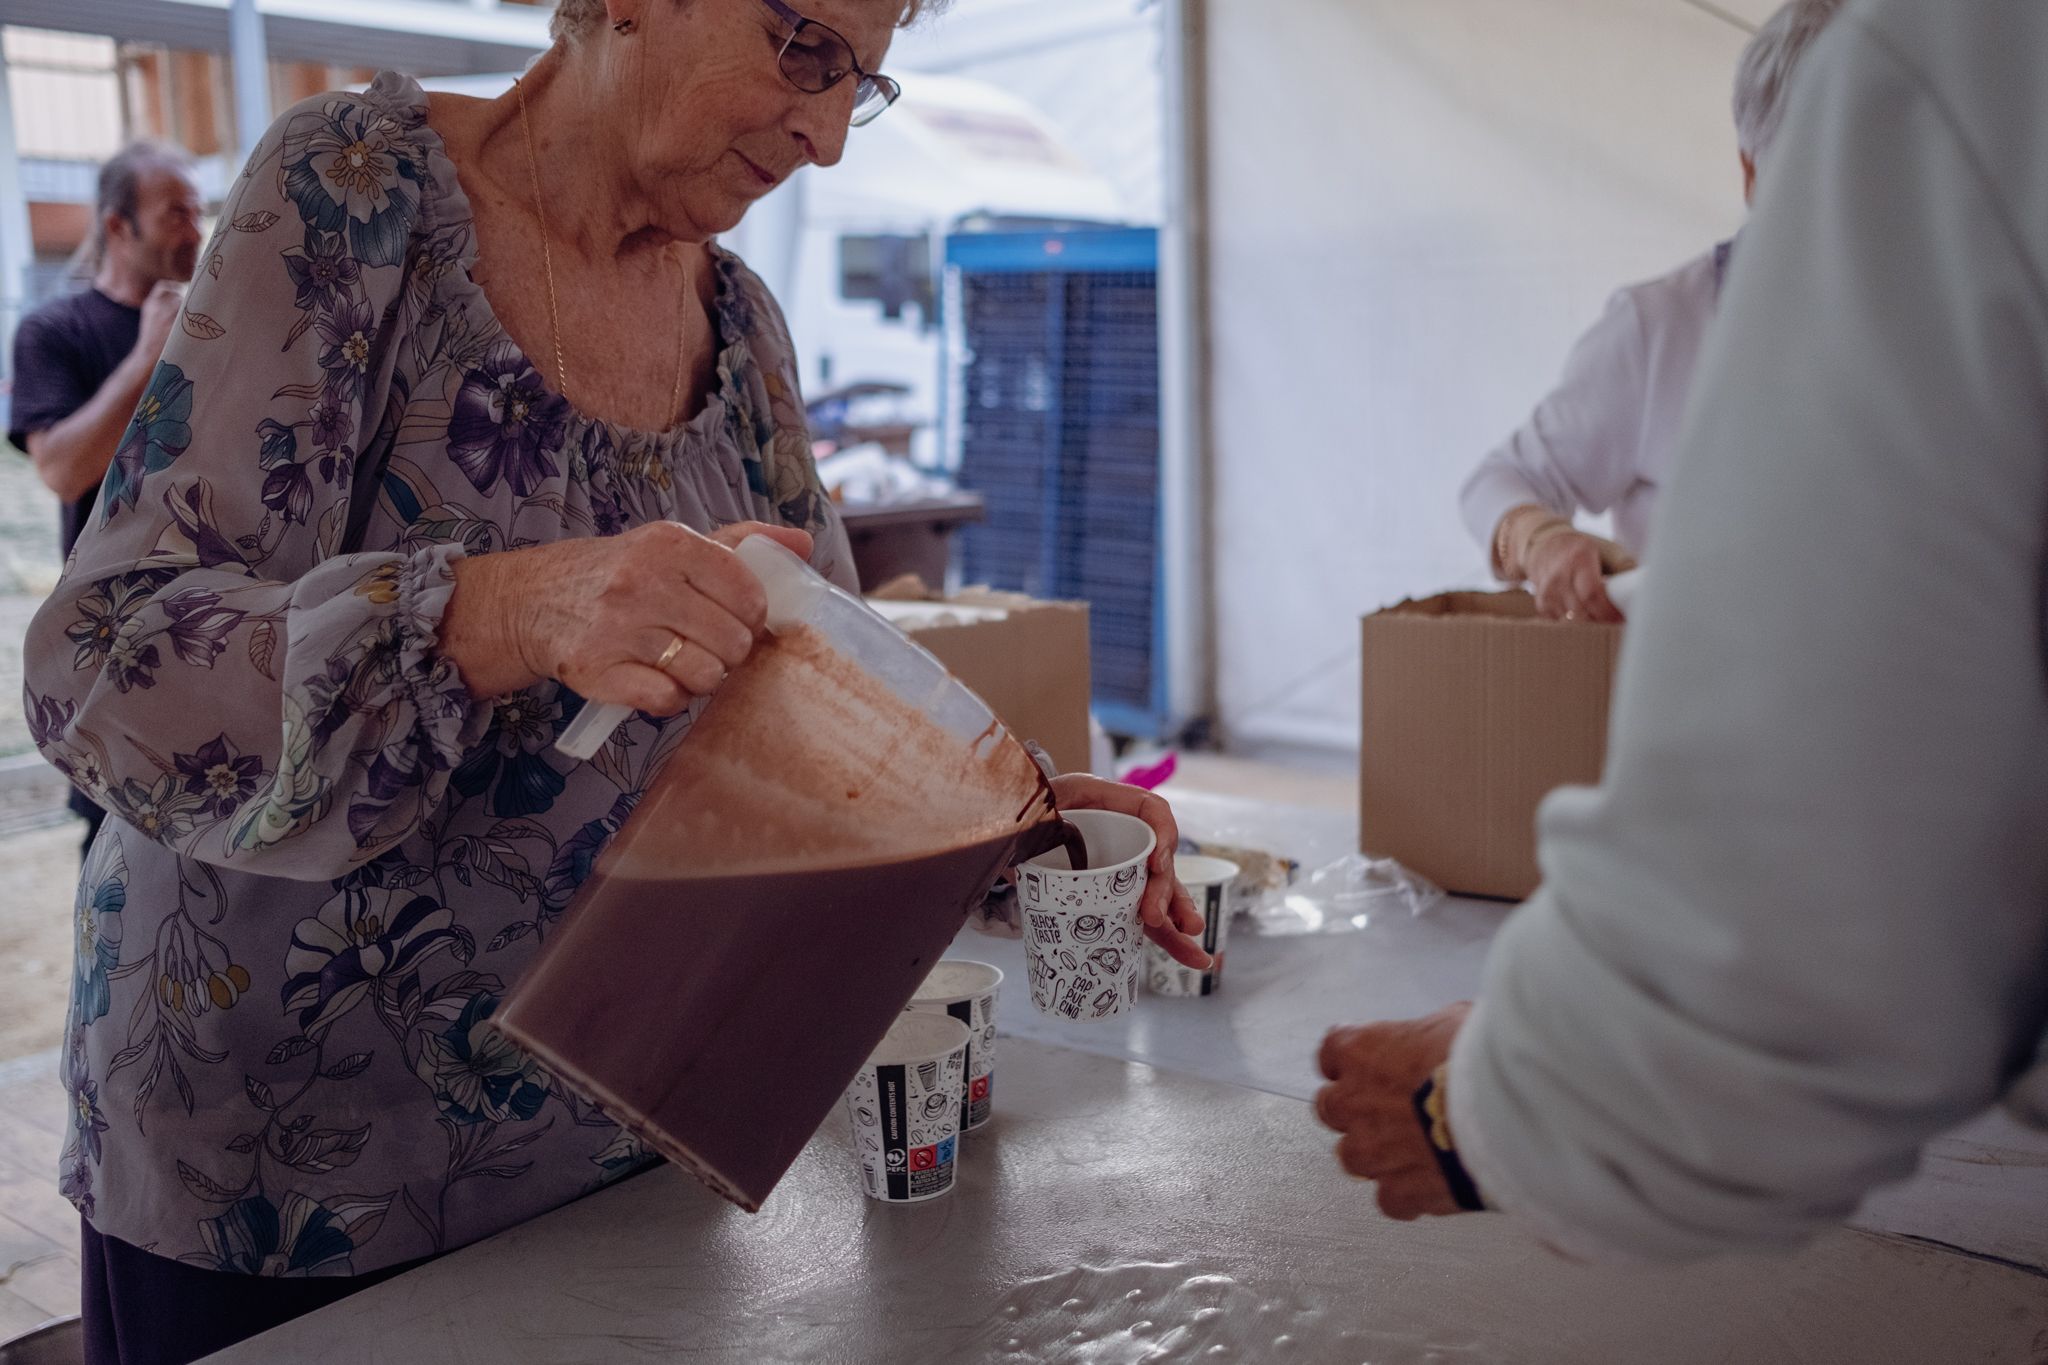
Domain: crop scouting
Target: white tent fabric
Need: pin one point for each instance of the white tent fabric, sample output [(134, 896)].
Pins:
[(1415, 209), (955, 145)]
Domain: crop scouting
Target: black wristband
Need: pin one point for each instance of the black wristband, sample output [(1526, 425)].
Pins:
[(1431, 1105)]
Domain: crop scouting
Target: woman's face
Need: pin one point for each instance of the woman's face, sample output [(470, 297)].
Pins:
[(714, 125)]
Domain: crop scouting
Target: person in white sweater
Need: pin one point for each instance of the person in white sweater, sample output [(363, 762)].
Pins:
[(1602, 440), (1802, 926)]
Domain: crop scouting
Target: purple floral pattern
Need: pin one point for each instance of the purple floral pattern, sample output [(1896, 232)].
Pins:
[(506, 423), (326, 858), (158, 433), (220, 777)]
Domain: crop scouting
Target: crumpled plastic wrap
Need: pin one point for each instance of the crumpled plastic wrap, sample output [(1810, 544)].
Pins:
[(1301, 871), (1347, 895)]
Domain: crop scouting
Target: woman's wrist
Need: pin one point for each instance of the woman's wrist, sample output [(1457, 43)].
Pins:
[(482, 631), (1518, 533)]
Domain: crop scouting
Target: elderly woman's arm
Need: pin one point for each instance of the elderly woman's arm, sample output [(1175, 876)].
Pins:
[(1580, 450), (212, 668), (599, 614), (209, 668), (1803, 926)]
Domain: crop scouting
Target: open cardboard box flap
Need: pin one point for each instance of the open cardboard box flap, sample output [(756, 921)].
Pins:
[(1474, 709)]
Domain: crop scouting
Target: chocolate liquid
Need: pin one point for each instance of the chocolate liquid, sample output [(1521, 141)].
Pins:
[(786, 989), (790, 877), (1076, 844), (804, 759)]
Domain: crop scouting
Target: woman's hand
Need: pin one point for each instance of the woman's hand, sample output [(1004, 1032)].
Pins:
[(1564, 567), (1374, 1073), (1568, 571), (649, 619), (1168, 912)]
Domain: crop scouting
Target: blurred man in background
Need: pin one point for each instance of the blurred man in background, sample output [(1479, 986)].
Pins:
[(82, 361)]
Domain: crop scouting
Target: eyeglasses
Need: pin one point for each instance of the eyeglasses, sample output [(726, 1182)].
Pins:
[(814, 58)]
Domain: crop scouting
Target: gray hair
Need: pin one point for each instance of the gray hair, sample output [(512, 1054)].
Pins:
[(1763, 78), (577, 19), (120, 192)]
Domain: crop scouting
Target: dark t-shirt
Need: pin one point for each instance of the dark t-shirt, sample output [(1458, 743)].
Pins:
[(63, 352)]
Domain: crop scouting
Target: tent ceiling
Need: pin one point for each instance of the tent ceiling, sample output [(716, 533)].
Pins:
[(426, 37)]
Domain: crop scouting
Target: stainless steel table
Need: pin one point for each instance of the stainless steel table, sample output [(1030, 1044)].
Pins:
[(1278, 996), (1156, 1189), (1982, 1189), (1120, 1213)]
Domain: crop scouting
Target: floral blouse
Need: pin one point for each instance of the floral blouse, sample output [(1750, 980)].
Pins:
[(327, 860)]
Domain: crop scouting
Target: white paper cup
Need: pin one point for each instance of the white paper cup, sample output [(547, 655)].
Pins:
[(1082, 928), (967, 991), (1211, 882), (905, 1109)]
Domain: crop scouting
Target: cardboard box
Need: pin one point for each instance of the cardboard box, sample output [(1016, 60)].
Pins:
[(1475, 708), (1027, 659)]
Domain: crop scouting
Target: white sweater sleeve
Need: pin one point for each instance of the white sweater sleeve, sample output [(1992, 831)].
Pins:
[(1581, 449), (1803, 925)]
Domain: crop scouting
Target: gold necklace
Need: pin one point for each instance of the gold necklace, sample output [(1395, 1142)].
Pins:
[(547, 256)]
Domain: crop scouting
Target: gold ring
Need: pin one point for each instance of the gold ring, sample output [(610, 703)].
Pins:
[(668, 656)]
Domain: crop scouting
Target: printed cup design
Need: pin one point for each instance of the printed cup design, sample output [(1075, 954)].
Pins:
[(1208, 881), (905, 1107), (1081, 928), (1077, 985), (967, 991), (1043, 972)]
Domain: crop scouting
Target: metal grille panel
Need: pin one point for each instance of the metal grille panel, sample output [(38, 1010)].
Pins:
[(1058, 429)]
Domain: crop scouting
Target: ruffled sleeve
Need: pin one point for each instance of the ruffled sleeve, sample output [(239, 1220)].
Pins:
[(213, 667)]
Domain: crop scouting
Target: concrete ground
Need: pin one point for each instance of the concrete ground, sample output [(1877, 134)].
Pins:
[(38, 872)]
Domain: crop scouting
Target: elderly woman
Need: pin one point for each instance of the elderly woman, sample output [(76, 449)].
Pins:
[(1603, 440), (1802, 927), (466, 412)]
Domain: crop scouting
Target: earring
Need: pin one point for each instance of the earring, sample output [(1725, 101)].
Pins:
[(623, 28)]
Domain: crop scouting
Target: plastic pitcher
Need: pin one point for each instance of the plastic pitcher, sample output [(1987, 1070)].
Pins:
[(786, 882)]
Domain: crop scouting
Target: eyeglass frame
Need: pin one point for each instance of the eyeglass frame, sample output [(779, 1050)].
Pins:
[(890, 90)]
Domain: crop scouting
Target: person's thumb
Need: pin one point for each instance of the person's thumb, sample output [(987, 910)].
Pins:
[(789, 538)]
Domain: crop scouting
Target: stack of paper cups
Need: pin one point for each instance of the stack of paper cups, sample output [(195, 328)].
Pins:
[(967, 991)]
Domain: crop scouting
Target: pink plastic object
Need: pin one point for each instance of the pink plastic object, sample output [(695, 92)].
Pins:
[(1153, 776)]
